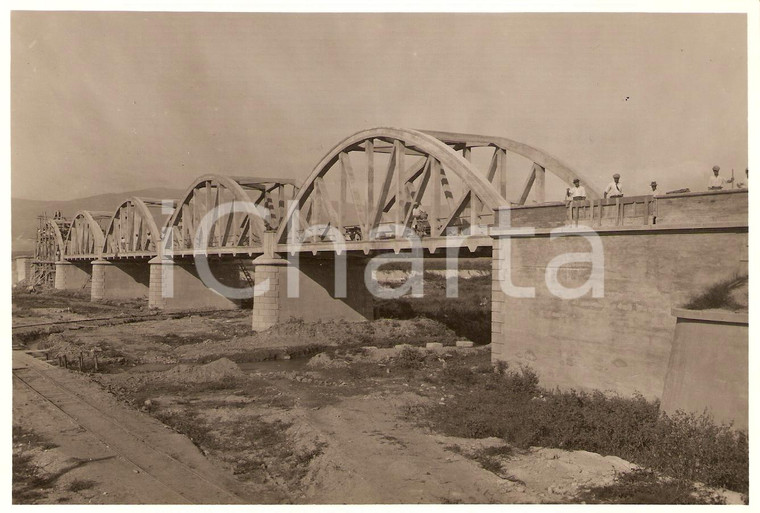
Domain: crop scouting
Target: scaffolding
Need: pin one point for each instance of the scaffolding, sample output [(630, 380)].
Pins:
[(51, 234)]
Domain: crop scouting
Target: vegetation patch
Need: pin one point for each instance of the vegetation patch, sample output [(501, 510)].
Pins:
[(645, 487), (510, 404), (78, 485), (490, 458), (721, 295), (29, 480), (468, 315)]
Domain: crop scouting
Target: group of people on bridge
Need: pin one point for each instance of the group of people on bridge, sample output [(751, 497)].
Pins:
[(615, 189)]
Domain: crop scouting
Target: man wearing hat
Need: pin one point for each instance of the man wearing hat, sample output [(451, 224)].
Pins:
[(717, 182), (614, 189), (653, 185), (577, 191)]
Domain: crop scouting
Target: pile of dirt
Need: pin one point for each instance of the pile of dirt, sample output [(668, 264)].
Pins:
[(217, 370), (60, 344)]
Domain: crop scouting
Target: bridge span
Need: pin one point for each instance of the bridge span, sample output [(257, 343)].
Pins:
[(366, 197)]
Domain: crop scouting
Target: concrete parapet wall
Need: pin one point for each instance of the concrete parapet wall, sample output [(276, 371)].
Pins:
[(708, 366), (730, 206), (693, 209), (621, 341)]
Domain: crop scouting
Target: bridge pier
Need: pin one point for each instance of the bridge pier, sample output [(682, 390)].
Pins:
[(119, 280), (72, 276), (177, 284), (314, 296)]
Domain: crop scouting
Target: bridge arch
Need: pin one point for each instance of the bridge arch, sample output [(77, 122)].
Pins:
[(132, 230), (242, 228), (85, 239), (542, 161), (357, 206)]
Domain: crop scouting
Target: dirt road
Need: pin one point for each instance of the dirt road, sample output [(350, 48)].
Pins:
[(129, 456)]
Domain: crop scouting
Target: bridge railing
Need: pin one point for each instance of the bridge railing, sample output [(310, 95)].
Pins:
[(625, 211)]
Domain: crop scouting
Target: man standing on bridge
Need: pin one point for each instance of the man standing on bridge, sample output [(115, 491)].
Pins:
[(615, 190), (717, 182), (577, 192)]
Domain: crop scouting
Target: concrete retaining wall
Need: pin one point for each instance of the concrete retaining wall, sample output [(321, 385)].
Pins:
[(708, 366), (620, 342)]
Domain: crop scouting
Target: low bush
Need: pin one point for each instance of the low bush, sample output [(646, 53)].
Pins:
[(719, 295), (409, 358), (645, 487), (511, 405)]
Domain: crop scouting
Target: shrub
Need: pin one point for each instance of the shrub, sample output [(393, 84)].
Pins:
[(511, 405), (718, 295), (409, 358), (645, 487)]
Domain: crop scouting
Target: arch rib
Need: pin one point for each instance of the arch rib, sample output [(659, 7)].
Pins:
[(145, 214), (254, 225), (538, 156), (95, 231), (412, 140)]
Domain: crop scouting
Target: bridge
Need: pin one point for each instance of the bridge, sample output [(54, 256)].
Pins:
[(230, 233), (368, 181), (360, 198)]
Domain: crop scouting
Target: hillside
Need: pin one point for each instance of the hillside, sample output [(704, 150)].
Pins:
[(24, 212)]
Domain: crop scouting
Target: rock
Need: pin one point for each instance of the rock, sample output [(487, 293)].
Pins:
[(326, 361), (433, 345), (464, 343)]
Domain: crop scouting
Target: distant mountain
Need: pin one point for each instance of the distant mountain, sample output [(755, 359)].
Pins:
[(24, 212)]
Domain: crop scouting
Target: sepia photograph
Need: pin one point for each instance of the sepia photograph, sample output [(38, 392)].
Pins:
[(421, 257)]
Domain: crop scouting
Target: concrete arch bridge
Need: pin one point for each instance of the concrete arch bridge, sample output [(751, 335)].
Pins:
[(227, 234), (360, 198)]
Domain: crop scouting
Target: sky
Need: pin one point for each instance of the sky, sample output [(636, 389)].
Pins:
[(111, 102)]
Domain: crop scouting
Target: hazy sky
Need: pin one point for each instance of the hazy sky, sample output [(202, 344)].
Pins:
[(109, 102)]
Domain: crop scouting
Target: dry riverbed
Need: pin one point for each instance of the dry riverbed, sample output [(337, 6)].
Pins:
[(314, 413)]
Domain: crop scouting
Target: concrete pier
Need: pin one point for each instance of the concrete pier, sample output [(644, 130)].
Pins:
[(177, 284), (72, 276), (119, 280), (315, 297)]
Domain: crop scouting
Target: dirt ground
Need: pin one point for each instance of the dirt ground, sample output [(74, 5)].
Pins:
[(303, 413)]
